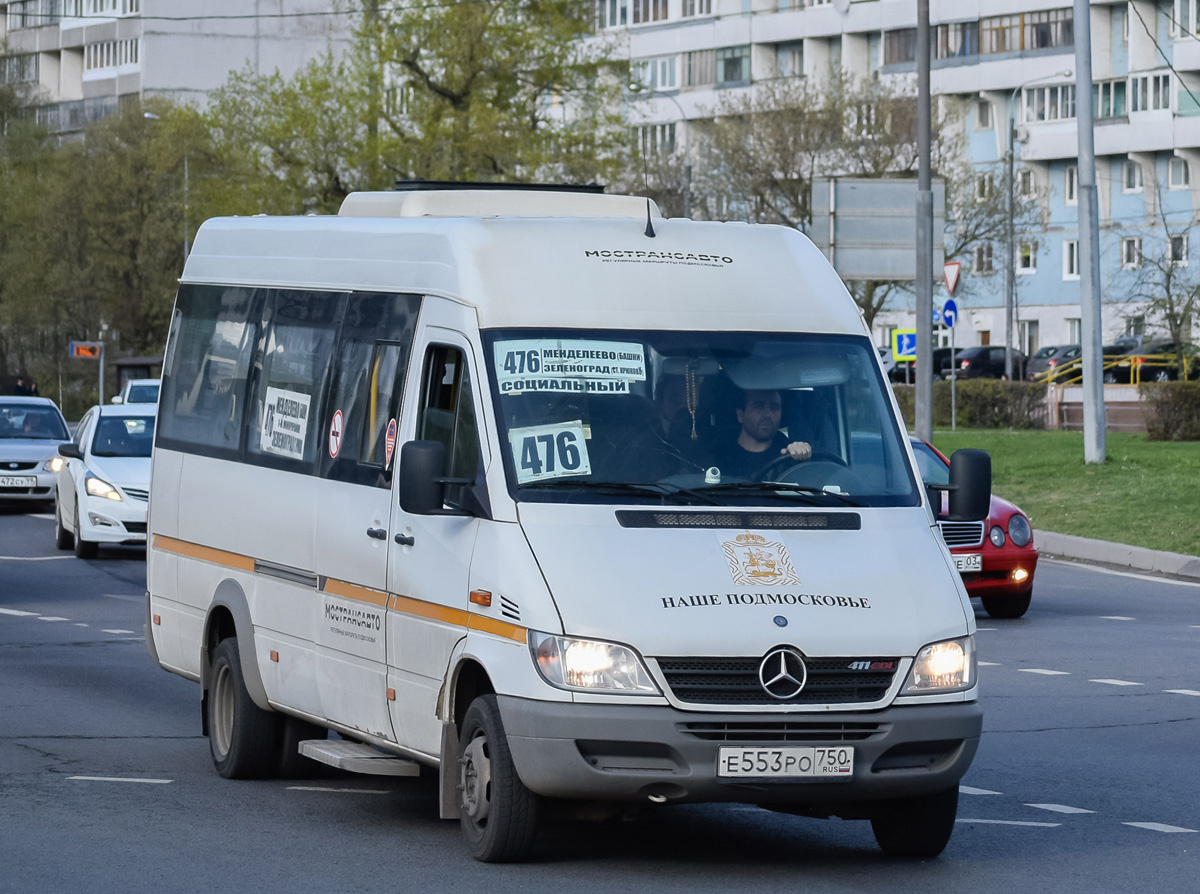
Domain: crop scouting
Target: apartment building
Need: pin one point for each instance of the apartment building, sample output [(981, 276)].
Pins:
[(80, 58), (993, 61)]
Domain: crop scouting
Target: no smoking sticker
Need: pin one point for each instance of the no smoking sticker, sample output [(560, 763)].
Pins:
[(335, 434), (389, 443)]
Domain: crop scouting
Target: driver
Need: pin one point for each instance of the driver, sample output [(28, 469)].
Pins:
[(759, 441)]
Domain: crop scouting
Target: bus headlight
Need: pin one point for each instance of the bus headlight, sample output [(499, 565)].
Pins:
[(943, 667), (588, 665)]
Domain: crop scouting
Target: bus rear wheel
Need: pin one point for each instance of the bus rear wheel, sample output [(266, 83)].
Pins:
[(242, 736)]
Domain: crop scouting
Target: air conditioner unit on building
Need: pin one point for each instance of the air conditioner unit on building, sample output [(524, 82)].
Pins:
[(1022, 133)]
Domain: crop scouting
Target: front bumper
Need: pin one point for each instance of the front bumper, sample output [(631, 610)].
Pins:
[(631, 753), (996, 577), (108, 521), (42, 490)]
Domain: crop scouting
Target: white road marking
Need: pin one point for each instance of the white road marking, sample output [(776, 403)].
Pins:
[(968, 790), (51, 618), (81, 624), (1146, 577), (17, 614), (1116, 682), (1158, 827), (982, 629), (1044, 672), (121, 779), (124, 598), (1182, 691), (115, 631), (1116, 618), (45, 515), (325, 788), (992, 822), (989, 664), (32, 558), (1060, 808)]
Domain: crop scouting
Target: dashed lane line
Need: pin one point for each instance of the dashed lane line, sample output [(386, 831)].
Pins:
[(102, 630), (1044, 672), (989, 664), (1182, 691), (996, 822), (326, 788), (121, 779), (51, 618), (34, 558), (1116, 618), (1117, 682), (1059, 808), (969, 790), (1158, 827), (17, 614)]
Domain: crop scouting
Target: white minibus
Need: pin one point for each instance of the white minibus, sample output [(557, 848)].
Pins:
[(565, 501)]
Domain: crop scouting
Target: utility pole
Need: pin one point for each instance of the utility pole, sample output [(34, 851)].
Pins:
[(924, 285), (1094, 423)]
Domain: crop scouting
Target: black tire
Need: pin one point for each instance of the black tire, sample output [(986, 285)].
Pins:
[(242, 737), (917, 827), (63, 539), (498, 814), (84, 549), (290, 764), (1007, 606)]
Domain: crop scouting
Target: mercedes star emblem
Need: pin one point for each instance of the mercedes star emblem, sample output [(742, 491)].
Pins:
[(782, 673)]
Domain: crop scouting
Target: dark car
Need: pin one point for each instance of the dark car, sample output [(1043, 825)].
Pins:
[(905, 370), (995, 557), (1152, 361), (987, 362), (1051, 358)]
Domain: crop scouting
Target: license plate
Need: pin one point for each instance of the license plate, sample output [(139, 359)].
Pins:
[(969, 562), (794, 762), (17, 481)]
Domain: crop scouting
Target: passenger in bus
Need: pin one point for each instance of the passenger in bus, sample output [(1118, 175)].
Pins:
[(759, 441)]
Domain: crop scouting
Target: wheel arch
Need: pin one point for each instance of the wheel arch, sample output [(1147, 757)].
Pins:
[(229, 615)]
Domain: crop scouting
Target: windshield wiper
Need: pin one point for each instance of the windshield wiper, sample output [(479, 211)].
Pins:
[(775, 487), (625, 488)]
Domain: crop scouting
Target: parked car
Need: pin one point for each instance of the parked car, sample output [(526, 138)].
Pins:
[(996, 557), (1050, 358), (31, 428), (905, 370), (139, 391), (103, 487), (1154, 361), (987, 362)]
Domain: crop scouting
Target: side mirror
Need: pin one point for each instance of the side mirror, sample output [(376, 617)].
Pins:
[(117, 399), (422, 464), (69, 450), (970, 485)]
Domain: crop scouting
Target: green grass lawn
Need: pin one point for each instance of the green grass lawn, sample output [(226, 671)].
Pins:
[(1146, 494)]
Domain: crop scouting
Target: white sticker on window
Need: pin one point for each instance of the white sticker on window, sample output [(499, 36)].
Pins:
[(542, 452), (550, 364), (285, 423)]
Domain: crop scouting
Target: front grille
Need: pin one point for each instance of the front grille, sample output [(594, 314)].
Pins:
[(138, 492), (9, 466), (746, 521), (783, 731), (135, 527), (957, 533), (734, 681)]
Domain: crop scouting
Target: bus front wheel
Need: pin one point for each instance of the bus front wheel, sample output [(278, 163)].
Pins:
[(241, 735)]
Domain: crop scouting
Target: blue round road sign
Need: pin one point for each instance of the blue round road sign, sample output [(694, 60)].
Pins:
[(949, 313)]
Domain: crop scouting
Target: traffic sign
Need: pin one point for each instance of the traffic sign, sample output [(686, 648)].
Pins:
[(335, 435), (952, 269), (904, 344), (949, 313), (87, 350)]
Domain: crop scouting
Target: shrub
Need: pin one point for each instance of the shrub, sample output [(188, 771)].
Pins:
[(981, 403), (1171, 410)]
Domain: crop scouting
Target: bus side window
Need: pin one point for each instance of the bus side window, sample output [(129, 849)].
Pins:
[(448, 414)]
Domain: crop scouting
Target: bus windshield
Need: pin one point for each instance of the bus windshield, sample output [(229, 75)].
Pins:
[(696, 418)]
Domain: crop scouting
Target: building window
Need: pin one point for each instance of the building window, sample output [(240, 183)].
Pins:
[(789, 60), (696, 8), (1048, 103), (983, 115), (613, 13), (1071, 259), (983, 187), (956, 40), (1074, 330), (981, 259), (654, 74), (1177, 250), (1026, 184), (649, 11), (1149, 93), (19, 69), (110, 54), (1131, 252), (655, 138), (1028, 31), (1027, 257), (733, 65), (1108, 99), (1131, 177), (701, 68), (1028, 336), (1181, 21), (900, 46), (1135, 325), (1179, 176), (1071, 185)]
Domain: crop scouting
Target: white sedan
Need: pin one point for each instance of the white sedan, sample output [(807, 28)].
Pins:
[(103, 487)]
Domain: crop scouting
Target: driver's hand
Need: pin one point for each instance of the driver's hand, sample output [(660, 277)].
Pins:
[(797, 450)]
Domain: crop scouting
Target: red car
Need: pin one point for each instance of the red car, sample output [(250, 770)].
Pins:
[(996, 556)]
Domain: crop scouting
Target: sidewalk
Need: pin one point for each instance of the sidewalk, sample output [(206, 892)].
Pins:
[(1101, 552)]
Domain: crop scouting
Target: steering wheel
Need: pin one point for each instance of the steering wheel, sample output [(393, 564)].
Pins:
[(786, 461)]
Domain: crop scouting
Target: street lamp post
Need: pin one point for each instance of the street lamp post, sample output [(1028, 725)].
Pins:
[(639, 89), (1010, 281)]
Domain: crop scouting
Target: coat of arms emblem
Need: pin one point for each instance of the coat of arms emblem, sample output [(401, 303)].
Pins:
[(758, 562)]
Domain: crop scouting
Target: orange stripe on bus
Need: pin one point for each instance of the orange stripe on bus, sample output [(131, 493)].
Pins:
[(355, 592), (442, 613), (204, 553), (499, 628)]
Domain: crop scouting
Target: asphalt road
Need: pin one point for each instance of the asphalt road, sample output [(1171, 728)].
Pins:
[(1086, 779)]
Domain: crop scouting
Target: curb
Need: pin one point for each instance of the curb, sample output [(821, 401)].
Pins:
[(1101, 552)]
